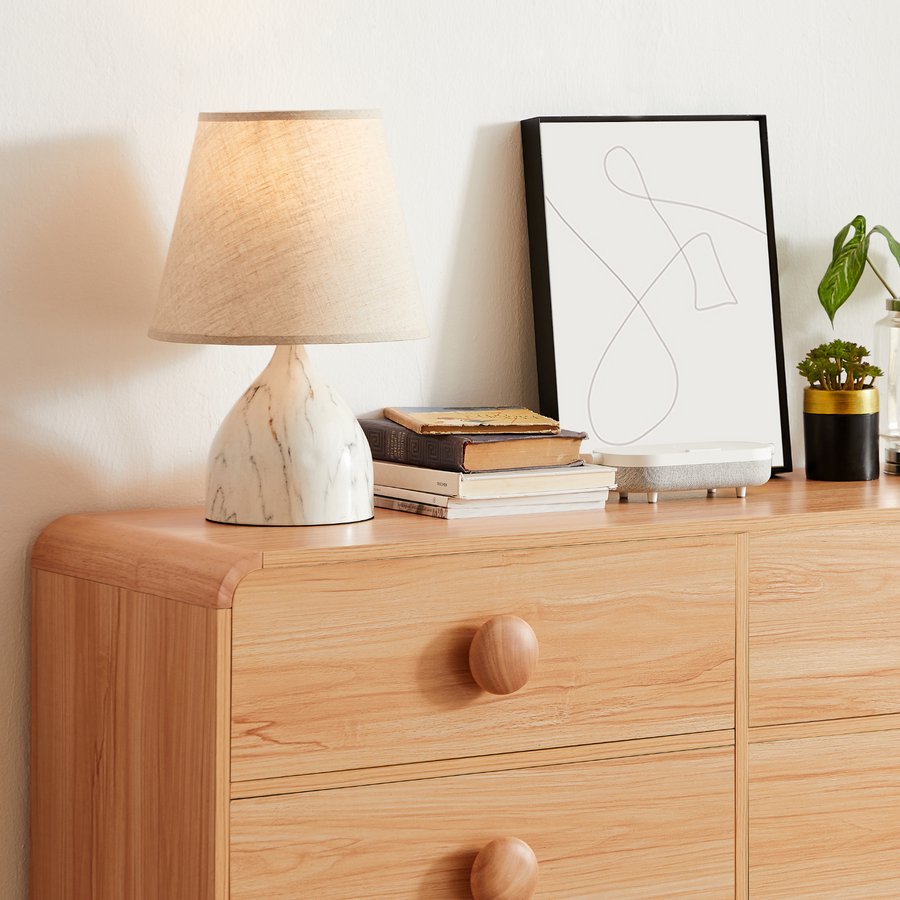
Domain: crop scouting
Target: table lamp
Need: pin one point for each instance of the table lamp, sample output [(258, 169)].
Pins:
[(289, 232)]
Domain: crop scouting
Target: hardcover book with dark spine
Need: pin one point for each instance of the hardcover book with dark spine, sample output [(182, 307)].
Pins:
[(393, 442)]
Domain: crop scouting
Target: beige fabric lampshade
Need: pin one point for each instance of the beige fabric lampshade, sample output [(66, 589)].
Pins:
[(289, 231)]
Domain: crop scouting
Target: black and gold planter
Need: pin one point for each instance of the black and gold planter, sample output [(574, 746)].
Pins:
[(840, 430)]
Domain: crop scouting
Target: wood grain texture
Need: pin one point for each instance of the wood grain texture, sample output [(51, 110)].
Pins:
[(823, 818), (222, 807), (497, 762), (741, 716), (626, 829), (356, 665), (825, 728), (785, 503), (824, 624), (113, 549), (126, 790)]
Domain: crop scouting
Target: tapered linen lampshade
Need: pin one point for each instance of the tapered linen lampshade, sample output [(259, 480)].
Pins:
[(289, 232)]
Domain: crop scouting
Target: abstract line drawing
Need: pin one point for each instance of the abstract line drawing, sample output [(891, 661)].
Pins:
[(655, 281), (680, 255)]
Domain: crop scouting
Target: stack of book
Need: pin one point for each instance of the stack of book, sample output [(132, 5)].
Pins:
[(455, 464)]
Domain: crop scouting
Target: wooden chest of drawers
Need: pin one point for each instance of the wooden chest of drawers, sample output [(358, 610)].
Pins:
[(228, 712)]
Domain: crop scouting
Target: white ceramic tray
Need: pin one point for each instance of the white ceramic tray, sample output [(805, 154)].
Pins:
[(688, 467)]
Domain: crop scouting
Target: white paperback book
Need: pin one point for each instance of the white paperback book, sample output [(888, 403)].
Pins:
[(467, 509), (548, 498), (493, 484)]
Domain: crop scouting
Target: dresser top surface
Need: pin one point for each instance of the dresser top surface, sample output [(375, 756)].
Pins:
[(144, 540)]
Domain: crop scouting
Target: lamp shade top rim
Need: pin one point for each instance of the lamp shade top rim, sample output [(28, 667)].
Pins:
[(290, 114)]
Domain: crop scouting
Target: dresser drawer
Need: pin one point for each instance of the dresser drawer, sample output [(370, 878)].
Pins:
[(366, 663), (360, 664), (823, 818), (824, 624), (651, 826)]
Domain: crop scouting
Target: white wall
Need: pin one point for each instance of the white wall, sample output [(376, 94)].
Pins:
[(98, 106)]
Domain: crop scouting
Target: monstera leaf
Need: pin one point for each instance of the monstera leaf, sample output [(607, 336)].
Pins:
[(848, 260)]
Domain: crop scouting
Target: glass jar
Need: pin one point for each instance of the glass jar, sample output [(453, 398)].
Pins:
[(887, 358)]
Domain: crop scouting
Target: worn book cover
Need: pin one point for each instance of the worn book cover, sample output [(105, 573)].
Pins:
[(393, 442), (474, 420)]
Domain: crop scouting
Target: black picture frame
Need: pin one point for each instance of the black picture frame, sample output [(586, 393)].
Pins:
[(679, 188)]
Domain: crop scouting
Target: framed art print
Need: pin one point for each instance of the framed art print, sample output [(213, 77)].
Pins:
[(655, 282)]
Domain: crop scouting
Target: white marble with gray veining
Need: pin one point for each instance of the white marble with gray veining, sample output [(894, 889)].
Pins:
[(290, 452)]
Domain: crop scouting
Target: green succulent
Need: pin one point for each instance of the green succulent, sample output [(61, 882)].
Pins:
[(838, 366)]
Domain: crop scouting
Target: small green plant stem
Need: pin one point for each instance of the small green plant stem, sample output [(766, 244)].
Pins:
[(893, 295)]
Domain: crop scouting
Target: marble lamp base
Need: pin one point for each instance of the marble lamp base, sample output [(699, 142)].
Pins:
[(290, 452)]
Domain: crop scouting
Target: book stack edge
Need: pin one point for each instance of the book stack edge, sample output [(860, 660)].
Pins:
[(444, 475)]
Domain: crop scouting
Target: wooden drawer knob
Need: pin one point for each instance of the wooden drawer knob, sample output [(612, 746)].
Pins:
[(503, 654), (506, 869)]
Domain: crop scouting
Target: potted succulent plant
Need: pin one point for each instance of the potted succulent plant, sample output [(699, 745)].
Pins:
[(840, 413), (840, 405)]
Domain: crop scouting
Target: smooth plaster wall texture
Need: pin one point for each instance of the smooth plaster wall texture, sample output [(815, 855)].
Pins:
[(98, 106)]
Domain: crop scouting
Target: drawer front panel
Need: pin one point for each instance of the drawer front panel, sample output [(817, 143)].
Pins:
[(823, 818), (352, 665), (629, 829), (824, 624)]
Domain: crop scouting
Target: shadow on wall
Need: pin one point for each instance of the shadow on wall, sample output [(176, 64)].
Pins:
[(88, 415), (80, 264), (485, 344), (72, 251), (804, 323)]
